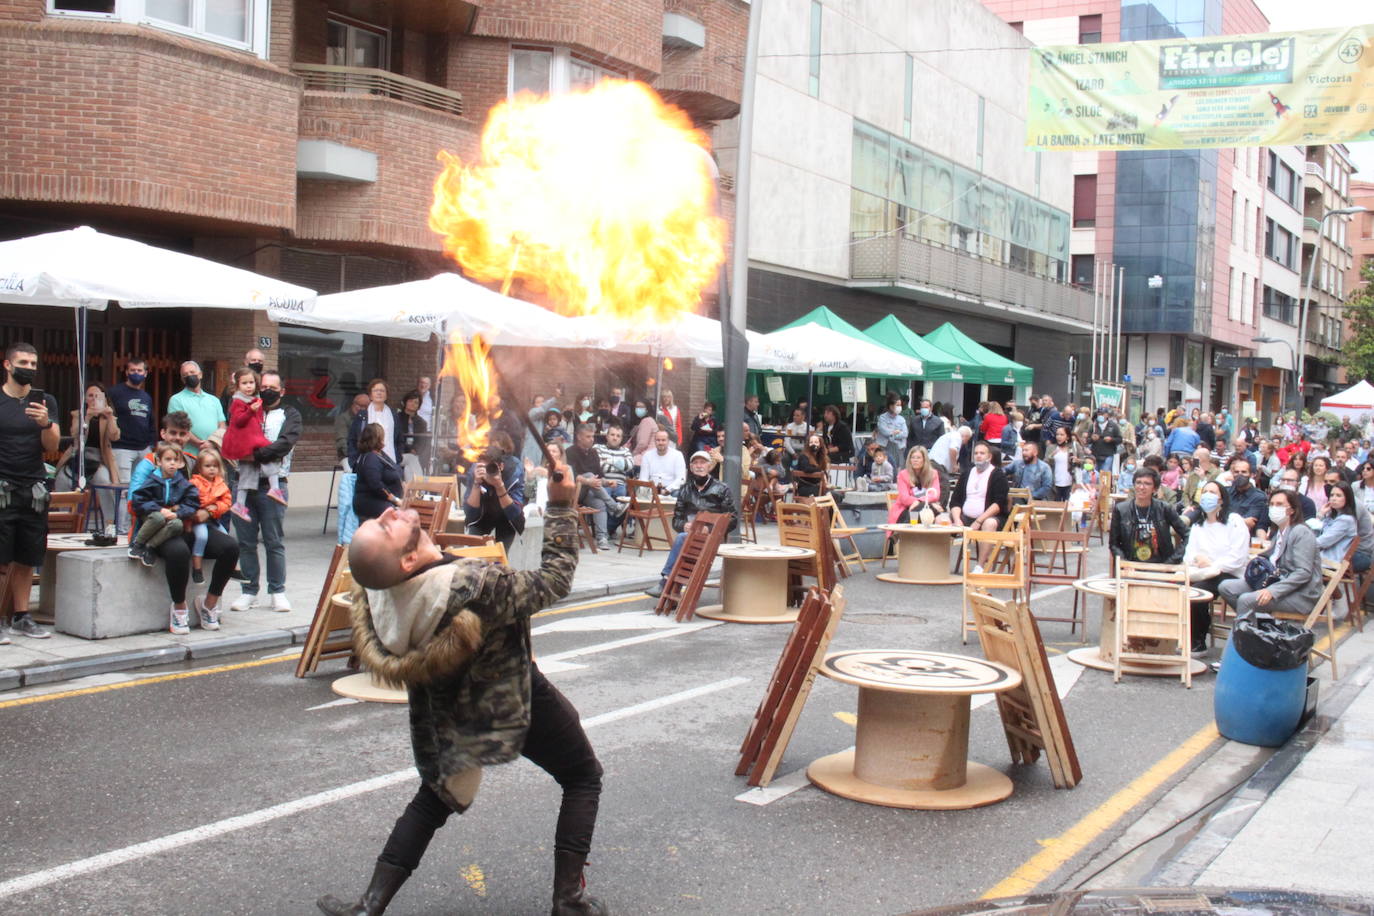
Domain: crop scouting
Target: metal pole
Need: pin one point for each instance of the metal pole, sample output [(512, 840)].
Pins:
[(1097, 292), (1120, 307), (1302, 315), (733, 321)]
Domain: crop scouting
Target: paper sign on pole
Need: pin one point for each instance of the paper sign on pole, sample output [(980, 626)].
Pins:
[(853, 390), (775, 390), (1272, 89)]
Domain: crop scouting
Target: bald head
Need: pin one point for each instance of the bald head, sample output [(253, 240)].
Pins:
[(387, 549)]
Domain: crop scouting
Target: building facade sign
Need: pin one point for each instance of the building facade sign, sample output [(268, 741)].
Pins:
[(1276, 89)]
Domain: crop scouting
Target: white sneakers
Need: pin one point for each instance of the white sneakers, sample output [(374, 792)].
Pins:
[(243, 602), (276, 601), (280, 602)]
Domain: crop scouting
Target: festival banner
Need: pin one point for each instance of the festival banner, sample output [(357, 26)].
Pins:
[(1274, 89)]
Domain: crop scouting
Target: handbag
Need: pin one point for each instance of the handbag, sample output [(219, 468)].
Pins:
[(1260, 573)]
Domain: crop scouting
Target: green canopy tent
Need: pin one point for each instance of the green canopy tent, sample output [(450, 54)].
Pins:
[(980, 365), (940, 366)]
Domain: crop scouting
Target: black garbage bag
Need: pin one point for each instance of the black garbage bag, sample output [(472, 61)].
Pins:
[(1274, 645)]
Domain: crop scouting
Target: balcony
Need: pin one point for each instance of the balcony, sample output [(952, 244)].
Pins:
[(325, 78), (965, 282)]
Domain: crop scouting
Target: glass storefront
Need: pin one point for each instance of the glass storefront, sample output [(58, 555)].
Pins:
[(323, 370)]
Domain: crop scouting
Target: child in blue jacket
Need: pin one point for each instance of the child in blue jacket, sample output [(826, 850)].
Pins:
[(162, 504)]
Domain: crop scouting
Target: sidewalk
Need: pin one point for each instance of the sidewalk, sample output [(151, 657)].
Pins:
[(1295, 824), (30, 662)]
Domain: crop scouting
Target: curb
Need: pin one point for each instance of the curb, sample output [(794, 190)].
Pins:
[(71, 669), (1188, 864)]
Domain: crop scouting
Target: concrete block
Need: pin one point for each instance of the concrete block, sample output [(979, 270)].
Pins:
[(103, 593), (298, 634), (525, 551), (866, 510), (70, 669), (10, 678), (241, 642)]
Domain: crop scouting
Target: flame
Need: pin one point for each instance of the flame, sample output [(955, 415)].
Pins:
[(667, 364), (601, 202), (471, 366)]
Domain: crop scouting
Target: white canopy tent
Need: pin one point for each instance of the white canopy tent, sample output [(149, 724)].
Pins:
[(690, 336), (813, 348), (1354, 402), (85, 269), (444, 304)]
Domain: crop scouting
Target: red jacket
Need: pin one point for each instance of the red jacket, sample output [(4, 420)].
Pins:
[(992, 428), (214, 495), (244, 432)]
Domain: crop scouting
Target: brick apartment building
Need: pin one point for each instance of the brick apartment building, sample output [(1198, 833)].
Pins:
[(297, 138), (1361, 239)]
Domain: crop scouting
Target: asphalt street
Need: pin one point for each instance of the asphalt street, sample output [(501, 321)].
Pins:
[(144, 772)]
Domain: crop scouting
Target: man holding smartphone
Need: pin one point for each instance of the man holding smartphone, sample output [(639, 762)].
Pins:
[(136, 417), (26, 432)]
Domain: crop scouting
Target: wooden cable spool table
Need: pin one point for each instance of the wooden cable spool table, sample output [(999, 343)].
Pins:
[(1103, 655), (361, 686), (753, 584), (922, 554), (911, 739)]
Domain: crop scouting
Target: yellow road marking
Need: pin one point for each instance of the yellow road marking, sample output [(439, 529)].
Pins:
[(157, 679), (218, 669), (848, 718), (475, 879), (1059, 850)]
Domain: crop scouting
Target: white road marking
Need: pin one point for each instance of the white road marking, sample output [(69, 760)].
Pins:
[(633, 620), (1049, 591), (593, 649), (184, 838), (1066, 674), (344, 701)]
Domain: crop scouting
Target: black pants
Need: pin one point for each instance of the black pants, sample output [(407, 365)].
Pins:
[(176, 560), (556, 744), (1202, 610)]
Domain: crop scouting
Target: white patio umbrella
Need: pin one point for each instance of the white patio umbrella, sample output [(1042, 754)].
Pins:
[(689, 336), (443, 304), (85, 269)]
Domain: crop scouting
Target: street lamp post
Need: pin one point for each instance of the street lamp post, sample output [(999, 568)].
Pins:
[(1270, 340), (1307, 295)]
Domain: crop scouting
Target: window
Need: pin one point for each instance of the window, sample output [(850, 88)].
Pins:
[(1089, 30), (355, 44), (239, 23), (1236, 215), (1084, 201), (1279, 306), (1279, 244), (552, 71), (814, 69), (1232, 306), (1082, 267)]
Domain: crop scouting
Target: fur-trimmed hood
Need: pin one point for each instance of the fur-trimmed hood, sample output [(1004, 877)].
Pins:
[(408, 634)]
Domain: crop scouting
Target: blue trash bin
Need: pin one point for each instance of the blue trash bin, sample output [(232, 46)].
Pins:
[(1256, 706)]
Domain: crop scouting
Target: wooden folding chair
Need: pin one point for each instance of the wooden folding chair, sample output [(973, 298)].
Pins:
[(1019, 496), (585, 532), (887, 541), (431, 498), (493, 551), (67, 512), (749, 507), (1006, 569), (645, 508), (1323, 610), (800, 525), (331, 629), (1051, 515), (1057, 558), (444, 540), (1022, 518), (1153, 611), (682, 590), (839, 533), (1102, 508)]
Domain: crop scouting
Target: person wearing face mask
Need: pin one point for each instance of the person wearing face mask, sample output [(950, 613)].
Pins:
[(925, 428), (642, 428), (1218, 549), (1103, 439), (981, 499), (1289, 480), (891, 431), (254, 360), (583, 409), (204, 409), (1247, 501), (1293, 551), (701, 493), (136, 418), (282, 426)]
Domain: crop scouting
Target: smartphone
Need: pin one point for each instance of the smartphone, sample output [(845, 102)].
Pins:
[(100, 400), (36, 396)]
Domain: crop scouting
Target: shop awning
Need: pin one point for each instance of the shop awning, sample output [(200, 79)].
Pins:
[(979, 364)]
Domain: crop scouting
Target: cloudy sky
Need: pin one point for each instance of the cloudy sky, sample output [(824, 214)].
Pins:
[(1293, 15)]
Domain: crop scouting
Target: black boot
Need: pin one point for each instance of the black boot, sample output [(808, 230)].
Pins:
[(386, 881), (570, 897)]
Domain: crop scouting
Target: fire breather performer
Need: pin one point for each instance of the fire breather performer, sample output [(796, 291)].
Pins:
[(456, 633)]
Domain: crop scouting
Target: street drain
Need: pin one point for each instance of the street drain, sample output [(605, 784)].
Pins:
[(888, 619)]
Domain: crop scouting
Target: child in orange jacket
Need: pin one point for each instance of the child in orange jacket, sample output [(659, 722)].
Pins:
[(214, 502)]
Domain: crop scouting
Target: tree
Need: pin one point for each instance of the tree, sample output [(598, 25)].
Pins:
[(1357, 352)]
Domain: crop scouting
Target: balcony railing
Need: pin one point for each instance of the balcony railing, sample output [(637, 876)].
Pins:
[(328, 78), (902, 257)]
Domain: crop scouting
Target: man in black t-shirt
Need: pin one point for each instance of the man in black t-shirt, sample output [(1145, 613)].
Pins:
[(137, 420), (26, 432)]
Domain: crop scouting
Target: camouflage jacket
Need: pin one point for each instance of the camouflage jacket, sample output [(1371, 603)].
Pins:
[(469, 681)]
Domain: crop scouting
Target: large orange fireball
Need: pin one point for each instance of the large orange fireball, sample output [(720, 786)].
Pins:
[(602, 202)]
